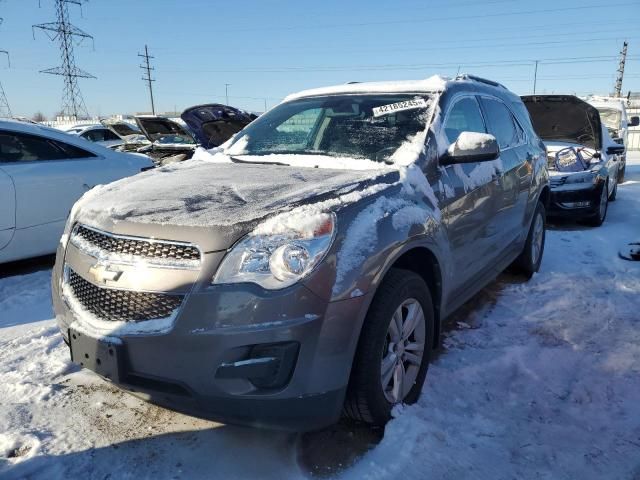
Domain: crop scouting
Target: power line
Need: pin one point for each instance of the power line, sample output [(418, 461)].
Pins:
[(148, 68), (432, 19), (64, 32), (411, 66)]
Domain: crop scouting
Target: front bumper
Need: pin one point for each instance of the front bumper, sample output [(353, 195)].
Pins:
[(574, 201), (203, 364)]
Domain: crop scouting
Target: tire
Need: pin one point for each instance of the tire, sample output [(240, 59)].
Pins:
[(614, 194), (367, 401), (529, 260), (621, 173), (603, 205)]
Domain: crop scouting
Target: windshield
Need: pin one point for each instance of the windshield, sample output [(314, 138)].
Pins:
[(368, 127), (610, 117)]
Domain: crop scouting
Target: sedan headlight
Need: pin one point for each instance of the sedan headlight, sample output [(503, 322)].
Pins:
[(279, 252)]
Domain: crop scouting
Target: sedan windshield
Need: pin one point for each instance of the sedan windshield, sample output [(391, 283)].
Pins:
[(368, 127)]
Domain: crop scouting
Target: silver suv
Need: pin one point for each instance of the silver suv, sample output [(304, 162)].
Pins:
[(304, 269)]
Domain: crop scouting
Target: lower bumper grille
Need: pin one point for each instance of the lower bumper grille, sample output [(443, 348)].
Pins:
[(121, 305)]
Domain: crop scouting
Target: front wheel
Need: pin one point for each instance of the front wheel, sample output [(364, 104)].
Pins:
[(529, 260), (621, 173), (603, 205), (394, 349)]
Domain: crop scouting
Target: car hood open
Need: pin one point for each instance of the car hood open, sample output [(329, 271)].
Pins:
[(565, 118), (156, 128), (213, 124), (214, 204)]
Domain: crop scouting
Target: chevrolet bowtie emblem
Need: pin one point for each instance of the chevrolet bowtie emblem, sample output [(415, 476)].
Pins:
[(103, 273)]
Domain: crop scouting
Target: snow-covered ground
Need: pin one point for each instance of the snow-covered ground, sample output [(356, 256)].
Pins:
[(536, 380)]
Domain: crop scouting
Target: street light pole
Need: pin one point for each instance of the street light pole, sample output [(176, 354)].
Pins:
[(535, 78), (226, 92)]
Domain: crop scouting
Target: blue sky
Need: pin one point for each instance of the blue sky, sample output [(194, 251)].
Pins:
[(267, 49)]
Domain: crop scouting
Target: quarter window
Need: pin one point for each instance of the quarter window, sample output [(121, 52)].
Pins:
[(502, 124), (18, 147), (464, 116)]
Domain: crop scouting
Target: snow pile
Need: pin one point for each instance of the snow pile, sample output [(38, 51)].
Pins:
[(433, 84), (471, 141)]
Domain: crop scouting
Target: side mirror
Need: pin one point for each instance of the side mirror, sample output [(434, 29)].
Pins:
[(615, 149), (472, 147), (634, 122)]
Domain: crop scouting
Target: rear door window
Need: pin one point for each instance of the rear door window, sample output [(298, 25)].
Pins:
[(19, 147)]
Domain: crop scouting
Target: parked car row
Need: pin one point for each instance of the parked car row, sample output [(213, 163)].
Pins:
[(304, 268), (165, 140)]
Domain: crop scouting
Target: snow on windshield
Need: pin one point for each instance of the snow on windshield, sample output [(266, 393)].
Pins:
[(368, 127)]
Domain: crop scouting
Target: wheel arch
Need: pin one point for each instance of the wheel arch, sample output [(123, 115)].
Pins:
[(545, 196), (423, 261)]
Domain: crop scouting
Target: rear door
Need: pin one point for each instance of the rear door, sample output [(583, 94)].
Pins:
[(516, 174), (7, 208), (469, 198)]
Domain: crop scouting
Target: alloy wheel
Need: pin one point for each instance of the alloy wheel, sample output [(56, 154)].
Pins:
[(538, 238), (403, 351)]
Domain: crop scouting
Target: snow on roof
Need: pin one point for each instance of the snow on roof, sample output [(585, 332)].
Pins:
[(436, 83)]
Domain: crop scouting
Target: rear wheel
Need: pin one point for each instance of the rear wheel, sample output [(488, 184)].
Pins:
[(394, 349), (603, 205), (529, 260)]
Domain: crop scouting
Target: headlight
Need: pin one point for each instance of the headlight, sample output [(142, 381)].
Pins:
[(280, 252), (586, 177)]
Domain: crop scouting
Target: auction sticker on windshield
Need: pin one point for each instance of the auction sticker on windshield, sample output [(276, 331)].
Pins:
[(399, 106)]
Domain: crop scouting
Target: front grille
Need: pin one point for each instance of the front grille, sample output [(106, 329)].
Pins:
[(150, 249), (121, 305)]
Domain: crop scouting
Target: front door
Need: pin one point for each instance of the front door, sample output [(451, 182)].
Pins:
[(468, 197)]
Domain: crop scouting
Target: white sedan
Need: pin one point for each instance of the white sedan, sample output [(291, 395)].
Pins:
[(97, 133), (43, 172)]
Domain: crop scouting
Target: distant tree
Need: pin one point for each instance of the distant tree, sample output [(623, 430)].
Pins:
[(39, 117)]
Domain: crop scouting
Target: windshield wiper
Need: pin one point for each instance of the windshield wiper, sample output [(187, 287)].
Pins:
[(237, 160)]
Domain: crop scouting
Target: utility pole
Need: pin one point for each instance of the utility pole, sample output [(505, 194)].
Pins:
[(617, 91), (64, 32), (535, 77), (147, 68), (226, 92), (5, 109)]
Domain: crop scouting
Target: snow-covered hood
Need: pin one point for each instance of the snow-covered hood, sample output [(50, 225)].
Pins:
[(213, 204), (565, 118)]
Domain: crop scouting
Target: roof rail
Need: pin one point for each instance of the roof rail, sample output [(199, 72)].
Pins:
[(351, 83), (466, 76)]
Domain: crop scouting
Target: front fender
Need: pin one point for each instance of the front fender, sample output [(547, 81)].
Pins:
[(371, 237)]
